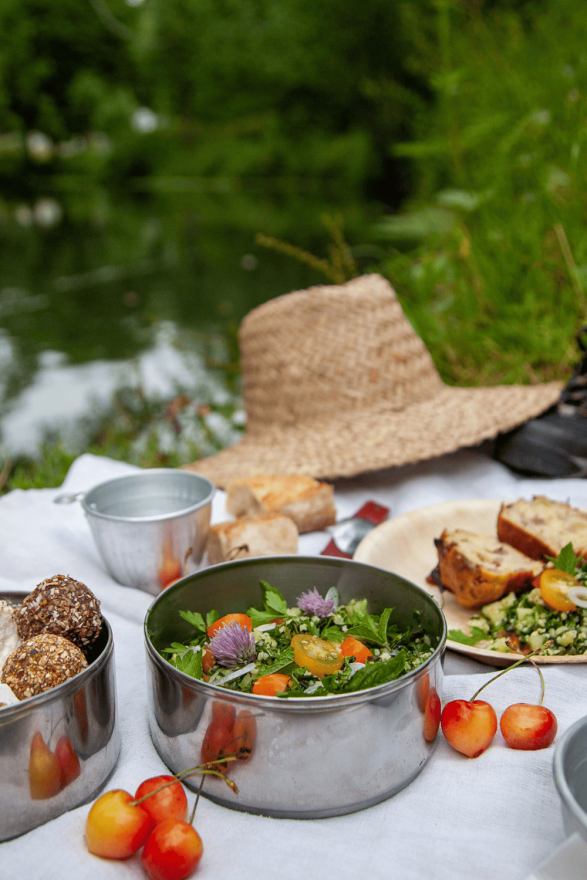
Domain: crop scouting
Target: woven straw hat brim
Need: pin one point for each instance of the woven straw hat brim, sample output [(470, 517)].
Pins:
[(344, 445)]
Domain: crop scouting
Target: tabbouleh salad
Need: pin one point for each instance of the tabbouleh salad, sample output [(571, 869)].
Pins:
[(528, 621), (316, 648)]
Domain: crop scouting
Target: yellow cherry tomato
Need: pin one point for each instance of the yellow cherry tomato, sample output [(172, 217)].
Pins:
[(554, 587), (317, 655)]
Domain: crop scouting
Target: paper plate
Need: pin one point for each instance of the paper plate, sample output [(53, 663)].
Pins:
[(405, 545)]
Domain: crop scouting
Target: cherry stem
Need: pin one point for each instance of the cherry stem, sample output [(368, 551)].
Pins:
[(196, 800), (204, 769), (513, 666), (543, 686)]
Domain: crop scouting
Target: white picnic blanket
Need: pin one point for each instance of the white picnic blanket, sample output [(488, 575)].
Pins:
[(495, 816)]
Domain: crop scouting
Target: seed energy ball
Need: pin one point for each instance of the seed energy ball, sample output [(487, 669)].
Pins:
[(40, 663), (61, 606)]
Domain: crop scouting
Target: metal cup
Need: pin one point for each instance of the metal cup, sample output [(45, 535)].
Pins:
[(150, 527)]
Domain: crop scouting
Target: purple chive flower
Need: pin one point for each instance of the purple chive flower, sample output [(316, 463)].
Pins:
[(233, 645), (313, 603)]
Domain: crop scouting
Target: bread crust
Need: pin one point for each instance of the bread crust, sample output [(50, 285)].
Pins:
[(267, 534), (542, 527), (479, 569), (308, 502)]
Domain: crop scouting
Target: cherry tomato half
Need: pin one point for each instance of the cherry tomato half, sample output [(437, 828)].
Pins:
[(554, 588), (242, 619), (352, 647), (269, 685), (317, 655), (208, 659)]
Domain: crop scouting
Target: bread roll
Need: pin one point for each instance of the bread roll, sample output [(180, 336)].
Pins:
[(479, 569), (268, 534), (308, 502), (542, 527)]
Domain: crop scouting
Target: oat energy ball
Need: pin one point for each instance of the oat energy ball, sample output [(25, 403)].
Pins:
[(40, 663), (63, 607)]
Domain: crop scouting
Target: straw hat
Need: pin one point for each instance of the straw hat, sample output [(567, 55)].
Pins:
[(336, 383)]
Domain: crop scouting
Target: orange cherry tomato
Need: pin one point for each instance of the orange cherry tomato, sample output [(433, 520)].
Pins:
[(243, 619), (269, 685), (554, 588), (317, 655), (352, 647), (208, 659)]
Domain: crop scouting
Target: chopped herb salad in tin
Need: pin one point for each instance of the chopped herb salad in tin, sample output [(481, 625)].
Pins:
[(316, 648), (550, 618)]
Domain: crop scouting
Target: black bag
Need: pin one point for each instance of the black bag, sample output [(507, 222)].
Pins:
[(555, 443)]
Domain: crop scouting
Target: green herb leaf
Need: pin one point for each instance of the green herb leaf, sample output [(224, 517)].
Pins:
[(376, 673), (566, 560), (477, 635), (285, 658), (211, 617), (195, 618), (191, 664), (175, 648), (357, 611), (260, 617), (333, 634), (273, 600), (368, 630), (383, 621)]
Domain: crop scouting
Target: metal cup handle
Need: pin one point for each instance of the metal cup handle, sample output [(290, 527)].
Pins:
[(68, 499)]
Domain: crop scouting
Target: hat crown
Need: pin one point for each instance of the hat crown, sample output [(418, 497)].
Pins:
[(310, 354)]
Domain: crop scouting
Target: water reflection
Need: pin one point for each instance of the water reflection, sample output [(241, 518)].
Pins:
[(98, 290)]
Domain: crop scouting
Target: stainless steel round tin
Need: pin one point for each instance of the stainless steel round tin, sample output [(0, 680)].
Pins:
[(313, 757), (46, 738), (570, 776)]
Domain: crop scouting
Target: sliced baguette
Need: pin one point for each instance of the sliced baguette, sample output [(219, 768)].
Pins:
[(268, 534), (542, 527), (308, 502), (479, 569)]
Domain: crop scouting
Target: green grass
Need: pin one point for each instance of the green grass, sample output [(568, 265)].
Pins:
[(489, 259)]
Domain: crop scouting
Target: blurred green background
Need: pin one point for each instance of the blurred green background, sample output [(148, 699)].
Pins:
[(167, 166)]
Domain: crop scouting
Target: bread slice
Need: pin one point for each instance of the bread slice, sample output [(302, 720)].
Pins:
[(542, 527), (479, 569), (308, 502), (268, 534)]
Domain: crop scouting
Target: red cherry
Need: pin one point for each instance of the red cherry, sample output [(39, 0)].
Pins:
[(432, 713), (169, 803), (68, 761), (529, 727), (469, 726), (172, 851)]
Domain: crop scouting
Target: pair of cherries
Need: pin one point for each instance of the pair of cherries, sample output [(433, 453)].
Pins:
[(469, 726)]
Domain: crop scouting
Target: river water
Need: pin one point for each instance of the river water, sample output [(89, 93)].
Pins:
[(100, 290)]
